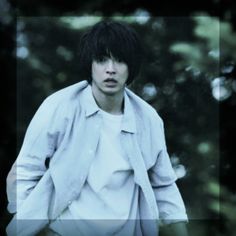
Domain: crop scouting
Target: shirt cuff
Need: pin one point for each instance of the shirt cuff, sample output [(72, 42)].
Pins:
[(11, 207)]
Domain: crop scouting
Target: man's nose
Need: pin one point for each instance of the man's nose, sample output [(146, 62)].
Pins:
[(110, 69)]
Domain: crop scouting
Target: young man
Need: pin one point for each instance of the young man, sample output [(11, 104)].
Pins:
[(94, 158)]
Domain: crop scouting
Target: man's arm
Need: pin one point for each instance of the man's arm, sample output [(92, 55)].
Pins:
[(170, 204), (29, 167), (169, 200)]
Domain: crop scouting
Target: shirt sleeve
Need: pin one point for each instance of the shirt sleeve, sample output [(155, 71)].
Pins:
[(162, 176), (39, 144)]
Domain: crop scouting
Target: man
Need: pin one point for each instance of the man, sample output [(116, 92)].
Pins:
[(94, 158)]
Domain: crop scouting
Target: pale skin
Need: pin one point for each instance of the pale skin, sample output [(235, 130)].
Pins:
[(109, 79)]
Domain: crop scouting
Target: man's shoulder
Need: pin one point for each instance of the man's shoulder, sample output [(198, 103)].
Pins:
[(143, 108), (68, 93), (62, 101)]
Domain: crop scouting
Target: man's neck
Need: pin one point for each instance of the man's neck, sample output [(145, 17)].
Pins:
[(110, 103)]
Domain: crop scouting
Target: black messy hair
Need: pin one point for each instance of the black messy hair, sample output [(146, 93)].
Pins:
[(108, 38)]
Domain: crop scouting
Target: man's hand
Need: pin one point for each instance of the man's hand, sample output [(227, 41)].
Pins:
[(175, 229)]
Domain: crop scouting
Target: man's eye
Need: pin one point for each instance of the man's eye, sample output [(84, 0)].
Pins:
[(102, 59), (119, 60)]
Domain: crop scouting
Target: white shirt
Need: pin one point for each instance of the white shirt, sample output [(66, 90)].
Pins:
[(109, 198), (66, 129)]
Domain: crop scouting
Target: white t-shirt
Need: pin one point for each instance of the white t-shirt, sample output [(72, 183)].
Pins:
[(108, 202)]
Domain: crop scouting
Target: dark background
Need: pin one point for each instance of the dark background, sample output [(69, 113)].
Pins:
[(188, 76)]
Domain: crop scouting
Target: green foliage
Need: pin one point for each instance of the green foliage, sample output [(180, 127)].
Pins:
[(78, 23), (208, 28), (227, 41), (203, 55), (192, 55)]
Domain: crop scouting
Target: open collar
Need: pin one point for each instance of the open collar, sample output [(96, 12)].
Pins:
[(91, 108)]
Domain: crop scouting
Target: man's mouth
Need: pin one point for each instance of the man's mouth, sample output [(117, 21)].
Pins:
[(110, 80)]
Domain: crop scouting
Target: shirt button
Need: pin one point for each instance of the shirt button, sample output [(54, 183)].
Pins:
[(90, 151), (69, 202)]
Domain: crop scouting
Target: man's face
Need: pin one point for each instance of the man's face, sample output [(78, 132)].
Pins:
[(109, 75)]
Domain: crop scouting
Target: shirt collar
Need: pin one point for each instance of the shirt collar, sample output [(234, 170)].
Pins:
[(88, 102), (128, 122)]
